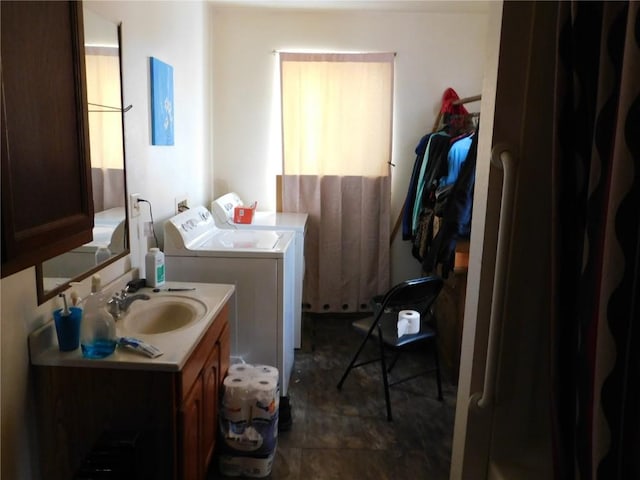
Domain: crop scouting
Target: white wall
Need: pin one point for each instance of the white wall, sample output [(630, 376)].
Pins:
[(436, 48), (178, 34)]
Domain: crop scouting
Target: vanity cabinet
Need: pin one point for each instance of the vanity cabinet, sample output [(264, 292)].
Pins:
[(47, 205), (199, 389), (172, 414)]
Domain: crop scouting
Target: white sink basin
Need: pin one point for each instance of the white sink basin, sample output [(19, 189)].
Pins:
[(162, 314)]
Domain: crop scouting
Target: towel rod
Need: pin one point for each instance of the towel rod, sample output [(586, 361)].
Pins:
[(109, 109), (502, 158)]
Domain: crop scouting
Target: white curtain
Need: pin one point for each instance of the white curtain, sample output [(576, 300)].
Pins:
[(337, 125), (105, 127)]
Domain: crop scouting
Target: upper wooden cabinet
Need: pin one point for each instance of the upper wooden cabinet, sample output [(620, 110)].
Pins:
[(47, 205)]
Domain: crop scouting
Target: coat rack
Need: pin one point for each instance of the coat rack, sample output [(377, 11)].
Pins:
[(460, 101)]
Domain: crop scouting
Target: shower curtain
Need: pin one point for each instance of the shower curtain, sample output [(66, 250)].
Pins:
[(596, 281)]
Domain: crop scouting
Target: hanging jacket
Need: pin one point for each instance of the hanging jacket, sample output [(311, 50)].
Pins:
[(423, 213), (456, 219), (455, 158), (433, 166), (407, 212), (427, 167)]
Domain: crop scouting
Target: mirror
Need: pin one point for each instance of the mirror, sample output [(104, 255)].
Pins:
[(110, 232)]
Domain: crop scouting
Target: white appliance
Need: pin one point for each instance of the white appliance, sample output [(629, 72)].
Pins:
[(259, 263), (222, 209)]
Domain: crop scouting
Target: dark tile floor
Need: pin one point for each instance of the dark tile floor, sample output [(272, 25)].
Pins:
[(345, 434)]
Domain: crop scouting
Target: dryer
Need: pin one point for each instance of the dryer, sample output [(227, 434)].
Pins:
[(222, 209), (260, 263)]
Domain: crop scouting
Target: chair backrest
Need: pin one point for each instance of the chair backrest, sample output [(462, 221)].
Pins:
[(417, 294)]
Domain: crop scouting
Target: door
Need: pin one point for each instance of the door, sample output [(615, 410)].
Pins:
[(210, 381), (191, 433), (502, 421)]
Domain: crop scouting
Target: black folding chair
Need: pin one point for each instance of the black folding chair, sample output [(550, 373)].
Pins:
[(418, 294)]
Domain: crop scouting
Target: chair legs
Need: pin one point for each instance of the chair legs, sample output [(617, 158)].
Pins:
[(437, 362), (385, 380), (393, 362), (385, 370), (352, 363)]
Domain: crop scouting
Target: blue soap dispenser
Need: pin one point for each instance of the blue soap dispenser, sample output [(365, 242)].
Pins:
[(98, 329)]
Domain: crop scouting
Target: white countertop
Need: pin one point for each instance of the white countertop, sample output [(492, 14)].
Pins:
[(176, 345)]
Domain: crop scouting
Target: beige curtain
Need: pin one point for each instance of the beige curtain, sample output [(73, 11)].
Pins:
[(105, 126), (337, 125)]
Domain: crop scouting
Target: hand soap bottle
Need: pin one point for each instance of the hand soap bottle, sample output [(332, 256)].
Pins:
[(98, 328), (154, 266)]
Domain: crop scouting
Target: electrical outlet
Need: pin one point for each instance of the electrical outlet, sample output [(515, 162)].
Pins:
[(148, 229), (182, 204), (135, 206)]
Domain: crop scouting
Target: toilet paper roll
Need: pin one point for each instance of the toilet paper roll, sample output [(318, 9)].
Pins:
[(237, 384), (263, 388), (403, 324), (241, 369), (413, 321), (236, 401), (264, 393), (265, 371)]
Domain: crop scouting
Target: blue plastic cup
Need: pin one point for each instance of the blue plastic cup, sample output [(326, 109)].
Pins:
[(68, 328)]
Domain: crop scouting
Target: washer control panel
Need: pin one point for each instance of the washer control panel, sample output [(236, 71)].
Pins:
[(188, 228)]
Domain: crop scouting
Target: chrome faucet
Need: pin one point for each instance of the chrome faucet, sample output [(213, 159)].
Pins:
[(119, 304)]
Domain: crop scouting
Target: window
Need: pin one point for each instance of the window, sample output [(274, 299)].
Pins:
[(336, 126), (337, 113)]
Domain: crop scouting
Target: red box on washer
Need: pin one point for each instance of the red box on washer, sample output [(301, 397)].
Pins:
[(243, 214)]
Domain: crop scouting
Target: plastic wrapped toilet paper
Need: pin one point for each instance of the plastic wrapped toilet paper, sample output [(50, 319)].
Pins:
[(258, 466), (408, 322), (249, 414), (250, 392)]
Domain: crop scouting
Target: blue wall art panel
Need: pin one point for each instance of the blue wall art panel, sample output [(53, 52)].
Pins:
[(161, 102)]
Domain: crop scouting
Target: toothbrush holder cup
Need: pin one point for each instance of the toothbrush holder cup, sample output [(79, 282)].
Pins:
[(68, 328)]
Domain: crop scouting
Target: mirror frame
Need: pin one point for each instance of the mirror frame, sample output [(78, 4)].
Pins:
[(43, 295)]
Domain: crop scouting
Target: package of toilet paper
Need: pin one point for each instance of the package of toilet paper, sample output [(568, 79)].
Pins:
[(248, 420), (256, 466)]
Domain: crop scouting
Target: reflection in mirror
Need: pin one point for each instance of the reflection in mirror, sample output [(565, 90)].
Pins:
[(110, 237)]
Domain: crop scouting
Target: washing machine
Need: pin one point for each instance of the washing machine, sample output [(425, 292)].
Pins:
[(222, 209), (260, 263)]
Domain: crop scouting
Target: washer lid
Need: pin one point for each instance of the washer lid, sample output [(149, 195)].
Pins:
[(277, 221), (242, 239)]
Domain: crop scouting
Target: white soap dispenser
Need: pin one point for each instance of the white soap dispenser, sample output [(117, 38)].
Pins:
[(98, 329)]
